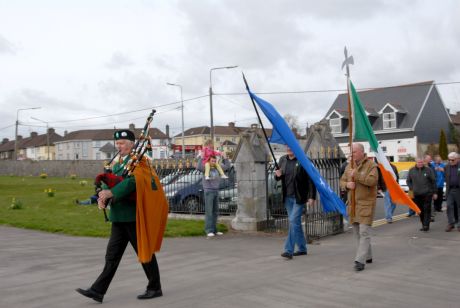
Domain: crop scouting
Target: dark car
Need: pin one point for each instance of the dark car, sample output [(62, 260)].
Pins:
[(185, 195)]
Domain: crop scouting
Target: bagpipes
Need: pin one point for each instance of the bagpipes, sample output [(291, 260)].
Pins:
[(142, 145)]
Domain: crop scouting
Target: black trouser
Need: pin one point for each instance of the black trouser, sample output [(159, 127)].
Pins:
[(122, 233), (438, 202), (424, 204)]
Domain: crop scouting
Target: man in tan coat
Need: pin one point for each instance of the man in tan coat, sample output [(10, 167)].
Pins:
[(362, 179)]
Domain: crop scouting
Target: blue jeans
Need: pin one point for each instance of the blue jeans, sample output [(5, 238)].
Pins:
[(389, 206), (210, 208), (295, 234)]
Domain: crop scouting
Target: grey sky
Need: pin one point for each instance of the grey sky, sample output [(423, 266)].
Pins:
[(95, 58)]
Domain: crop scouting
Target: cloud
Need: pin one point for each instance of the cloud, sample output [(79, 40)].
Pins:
[(118, 61), (6, 47)]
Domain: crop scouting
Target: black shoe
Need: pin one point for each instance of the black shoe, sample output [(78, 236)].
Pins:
[(359, 266), (369, 261), (91, 294), (150, 294), (299, 253), (287, 255), (432, 219)]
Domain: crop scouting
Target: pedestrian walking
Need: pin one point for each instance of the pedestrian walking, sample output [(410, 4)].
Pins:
[(362, 179), (132, 198), (439, 168), (453, 190), (422, 182), (298, 190)]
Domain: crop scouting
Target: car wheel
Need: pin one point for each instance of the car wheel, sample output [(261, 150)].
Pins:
[(192, 204)]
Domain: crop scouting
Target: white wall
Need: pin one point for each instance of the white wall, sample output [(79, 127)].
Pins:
[(397, 148)]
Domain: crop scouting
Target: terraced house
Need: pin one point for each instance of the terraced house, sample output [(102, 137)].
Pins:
[(98, 144)]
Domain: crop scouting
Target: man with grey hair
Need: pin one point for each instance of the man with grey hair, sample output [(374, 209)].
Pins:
[(452, 189), (362, 179)]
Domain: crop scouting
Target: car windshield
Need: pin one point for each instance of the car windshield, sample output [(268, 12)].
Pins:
[(189, 178), (167, 178), (403, 174)]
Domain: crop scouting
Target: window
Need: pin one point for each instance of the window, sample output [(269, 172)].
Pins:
[(98, 143), (389, 120), (336, 125), (98, 155)]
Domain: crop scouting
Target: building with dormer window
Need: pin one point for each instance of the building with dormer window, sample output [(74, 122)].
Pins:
[(405, 119)]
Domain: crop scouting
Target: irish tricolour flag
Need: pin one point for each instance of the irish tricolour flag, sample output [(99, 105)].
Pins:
[(362, 131)]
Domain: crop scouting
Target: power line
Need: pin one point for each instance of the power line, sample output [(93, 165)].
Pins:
[(342, 90), (129, 111)]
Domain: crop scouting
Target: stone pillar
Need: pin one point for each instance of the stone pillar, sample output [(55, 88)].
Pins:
[(250, 164)]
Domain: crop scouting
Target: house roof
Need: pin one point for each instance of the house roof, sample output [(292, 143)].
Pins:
[(107, 134), (40, 140), (218, 130), (407, 99), (108, 148), (31, 141)]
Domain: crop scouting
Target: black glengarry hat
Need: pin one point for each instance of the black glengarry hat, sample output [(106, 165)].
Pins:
[(124, 134)]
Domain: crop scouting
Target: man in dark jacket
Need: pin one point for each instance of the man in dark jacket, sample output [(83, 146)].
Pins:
[(452, 189), (421, 180), (298, 189)]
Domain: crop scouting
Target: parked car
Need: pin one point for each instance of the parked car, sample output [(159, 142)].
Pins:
[(172, 177), (228, 200), (186, 193), (402, 180)]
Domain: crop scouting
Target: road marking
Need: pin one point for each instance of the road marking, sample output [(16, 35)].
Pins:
[(383, 221)]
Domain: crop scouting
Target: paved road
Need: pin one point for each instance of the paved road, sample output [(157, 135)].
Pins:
[(411, 269)]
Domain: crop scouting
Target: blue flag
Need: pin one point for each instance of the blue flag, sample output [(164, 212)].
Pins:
[(276, 137), (329, 199)]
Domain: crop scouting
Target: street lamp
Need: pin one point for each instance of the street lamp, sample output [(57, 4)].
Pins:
[(182, 108), (210, 96), (47, 135), (16, 133)]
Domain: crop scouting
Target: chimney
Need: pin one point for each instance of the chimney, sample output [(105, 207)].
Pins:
[(51, 130), (131, 127), (255, 125), (5, 140), (231, 124), (33, 134), (65, 133), (19, 138), (167, 130)]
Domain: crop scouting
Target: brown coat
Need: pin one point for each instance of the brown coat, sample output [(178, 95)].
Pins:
[(366, 178)]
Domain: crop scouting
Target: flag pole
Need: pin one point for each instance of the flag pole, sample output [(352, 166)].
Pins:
[(349, 60), (261, 124)]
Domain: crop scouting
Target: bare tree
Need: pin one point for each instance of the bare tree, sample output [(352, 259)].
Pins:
[(292, 121)]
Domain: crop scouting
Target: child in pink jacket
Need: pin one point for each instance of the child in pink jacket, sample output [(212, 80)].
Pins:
[(206, 154)]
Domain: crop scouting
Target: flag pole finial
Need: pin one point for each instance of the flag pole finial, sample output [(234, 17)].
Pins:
[(348, 60)]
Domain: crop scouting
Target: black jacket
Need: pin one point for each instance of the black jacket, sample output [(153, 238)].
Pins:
[(381, 183), (304, 187), (422, 181)]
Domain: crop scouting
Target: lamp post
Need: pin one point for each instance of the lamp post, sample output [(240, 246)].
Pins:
[(47, 135), (182, 109), (210, 96), (16, 133)]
